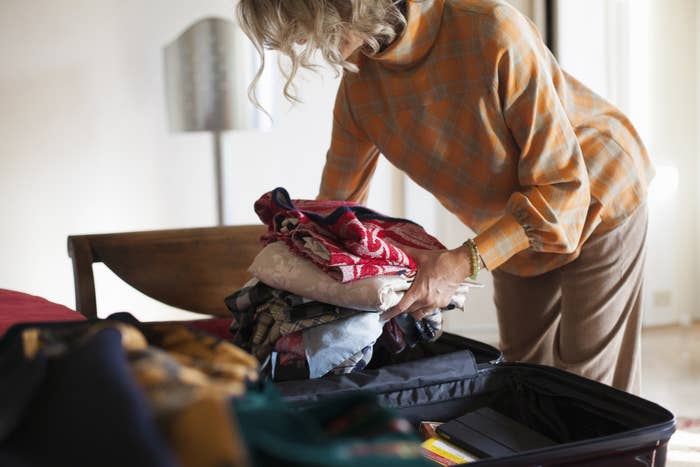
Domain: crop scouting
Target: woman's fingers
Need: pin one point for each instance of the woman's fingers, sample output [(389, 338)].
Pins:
[(404, 305), (432, 287), (423, 312), (416, 300), (416, 254)]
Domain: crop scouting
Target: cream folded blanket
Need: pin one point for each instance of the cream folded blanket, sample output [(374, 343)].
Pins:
[(280, 268)]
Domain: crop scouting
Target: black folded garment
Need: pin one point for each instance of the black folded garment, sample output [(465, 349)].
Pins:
[(487, 433)]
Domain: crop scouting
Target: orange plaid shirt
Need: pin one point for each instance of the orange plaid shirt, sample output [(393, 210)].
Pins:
[(471, 104)]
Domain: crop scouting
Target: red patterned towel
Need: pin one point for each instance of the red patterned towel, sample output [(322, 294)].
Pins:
[(345, 239)]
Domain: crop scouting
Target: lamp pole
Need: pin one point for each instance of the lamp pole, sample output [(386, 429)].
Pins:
[(218, 174)]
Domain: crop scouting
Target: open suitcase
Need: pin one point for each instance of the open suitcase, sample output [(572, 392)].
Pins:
[(592, 424)]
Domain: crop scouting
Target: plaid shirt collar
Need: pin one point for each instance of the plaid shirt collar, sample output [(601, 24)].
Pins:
[(424, 18)]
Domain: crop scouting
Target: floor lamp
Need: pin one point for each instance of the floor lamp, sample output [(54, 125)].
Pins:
[(207, 71)]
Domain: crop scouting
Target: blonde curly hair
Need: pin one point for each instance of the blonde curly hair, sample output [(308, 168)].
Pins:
[(299, 28)]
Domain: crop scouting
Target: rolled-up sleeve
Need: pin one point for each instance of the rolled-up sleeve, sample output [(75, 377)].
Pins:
[(548, 211), (351, 159)]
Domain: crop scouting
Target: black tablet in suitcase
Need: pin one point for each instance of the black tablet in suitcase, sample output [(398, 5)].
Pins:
[(589, 423), (487, 433)]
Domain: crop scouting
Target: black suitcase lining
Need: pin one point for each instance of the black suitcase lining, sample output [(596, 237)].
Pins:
[(571, 410), (510, 391)]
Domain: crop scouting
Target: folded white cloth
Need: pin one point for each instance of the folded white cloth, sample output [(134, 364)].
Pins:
[(328, 345), (280, 268)]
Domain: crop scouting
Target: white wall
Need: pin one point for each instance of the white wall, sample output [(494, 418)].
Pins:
[(673, 141), (643, 56), (84, 146), (695, 314), (582, 41)]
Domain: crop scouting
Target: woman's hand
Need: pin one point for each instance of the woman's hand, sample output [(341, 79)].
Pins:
[(439, 274)]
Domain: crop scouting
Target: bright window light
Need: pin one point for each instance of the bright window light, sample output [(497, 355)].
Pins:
[(682, 458), (665, 184), (638, 74)]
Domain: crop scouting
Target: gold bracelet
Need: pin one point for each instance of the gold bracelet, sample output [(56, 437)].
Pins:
[(474, 258)]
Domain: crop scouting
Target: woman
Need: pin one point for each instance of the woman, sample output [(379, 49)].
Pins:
[(464, 97)]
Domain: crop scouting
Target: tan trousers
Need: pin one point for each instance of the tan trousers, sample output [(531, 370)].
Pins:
[(586, 316)]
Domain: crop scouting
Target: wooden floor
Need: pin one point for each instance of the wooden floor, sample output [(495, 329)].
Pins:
[(671, 377), (671, 368)]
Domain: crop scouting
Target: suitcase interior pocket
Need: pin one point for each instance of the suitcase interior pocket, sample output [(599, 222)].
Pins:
[(538, 397), (448, 378)]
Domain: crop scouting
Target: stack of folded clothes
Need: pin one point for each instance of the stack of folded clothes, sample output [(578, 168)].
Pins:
[(321, 284)]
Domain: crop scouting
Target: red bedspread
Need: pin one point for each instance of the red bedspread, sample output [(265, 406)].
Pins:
[(18, 307)]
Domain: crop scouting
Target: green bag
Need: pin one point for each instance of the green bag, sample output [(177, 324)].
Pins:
[(345, 432)]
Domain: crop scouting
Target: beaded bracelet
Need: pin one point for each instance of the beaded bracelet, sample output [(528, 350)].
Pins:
[(474, 257)]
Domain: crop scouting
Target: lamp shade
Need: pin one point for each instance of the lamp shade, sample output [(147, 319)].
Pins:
[(207, 70)]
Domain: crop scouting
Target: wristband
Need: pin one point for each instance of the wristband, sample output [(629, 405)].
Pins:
[(474, 258)]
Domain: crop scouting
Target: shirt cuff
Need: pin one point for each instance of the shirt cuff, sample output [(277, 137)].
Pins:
[(501, 241)]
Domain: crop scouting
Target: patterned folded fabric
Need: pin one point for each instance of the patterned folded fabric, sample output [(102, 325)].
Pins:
[(344, 239), (289, 359), (337, 339), (286, 306), (324, 339), (280, 268), (291, 347), (261, 315)]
